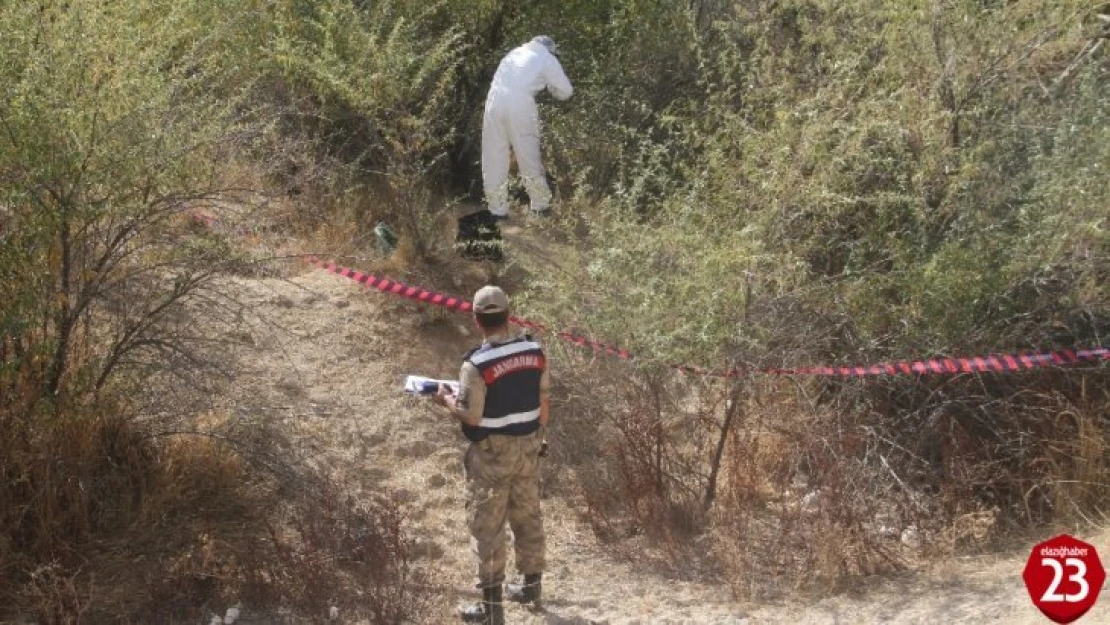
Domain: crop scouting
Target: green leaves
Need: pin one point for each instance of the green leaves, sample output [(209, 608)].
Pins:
[(890, 175), (379, 65), (111, 122)]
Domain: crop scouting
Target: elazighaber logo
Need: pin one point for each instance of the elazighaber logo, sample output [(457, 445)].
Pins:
[(1064, 577)]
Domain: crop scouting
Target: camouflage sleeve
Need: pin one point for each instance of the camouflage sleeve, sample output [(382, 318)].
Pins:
[(472, 390)]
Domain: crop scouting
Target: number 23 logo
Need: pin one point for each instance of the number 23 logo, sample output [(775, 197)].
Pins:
[(1051, 594)]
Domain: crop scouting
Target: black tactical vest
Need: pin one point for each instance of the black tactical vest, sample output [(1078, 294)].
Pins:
[(512, 373)]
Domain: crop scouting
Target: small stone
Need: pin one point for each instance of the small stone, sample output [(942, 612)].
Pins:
[(911, 538), (811, 501)]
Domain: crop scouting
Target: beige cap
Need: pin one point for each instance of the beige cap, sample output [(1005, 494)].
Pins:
[(490, 299)]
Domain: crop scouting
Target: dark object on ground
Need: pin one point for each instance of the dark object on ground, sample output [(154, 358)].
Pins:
[(479, 237), (386, 238)]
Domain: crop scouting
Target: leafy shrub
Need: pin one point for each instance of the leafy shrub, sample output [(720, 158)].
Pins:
[(852, 183), (118, 126)]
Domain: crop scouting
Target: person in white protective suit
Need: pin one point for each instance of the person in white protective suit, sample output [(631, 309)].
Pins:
[(512, 120)]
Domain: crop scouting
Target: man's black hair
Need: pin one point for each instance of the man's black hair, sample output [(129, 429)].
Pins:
[(492, 321)]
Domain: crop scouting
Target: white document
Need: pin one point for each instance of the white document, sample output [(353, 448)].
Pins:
[(419, 385)]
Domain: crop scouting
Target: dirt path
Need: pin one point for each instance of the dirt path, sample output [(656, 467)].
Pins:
[(328, 361)]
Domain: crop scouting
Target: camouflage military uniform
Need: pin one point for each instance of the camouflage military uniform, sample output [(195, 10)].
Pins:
[(502, 484)]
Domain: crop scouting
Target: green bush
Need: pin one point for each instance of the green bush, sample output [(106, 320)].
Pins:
[(848, 183), (118, 122)]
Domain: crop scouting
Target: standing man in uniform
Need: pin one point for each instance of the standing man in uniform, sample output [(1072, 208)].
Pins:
[(512, 120), (503, 405)]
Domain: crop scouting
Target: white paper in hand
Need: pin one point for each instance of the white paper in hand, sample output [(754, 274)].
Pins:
[(419, 385)]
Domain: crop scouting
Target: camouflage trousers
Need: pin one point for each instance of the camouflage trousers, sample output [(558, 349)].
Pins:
[(502, 484)]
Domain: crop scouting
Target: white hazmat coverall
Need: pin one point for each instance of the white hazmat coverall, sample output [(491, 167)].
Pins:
[(511, 119)]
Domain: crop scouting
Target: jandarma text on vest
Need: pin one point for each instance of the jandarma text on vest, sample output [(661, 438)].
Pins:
[(515, 363)]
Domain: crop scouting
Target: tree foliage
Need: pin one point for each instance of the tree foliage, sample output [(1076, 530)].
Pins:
[(894, 173)]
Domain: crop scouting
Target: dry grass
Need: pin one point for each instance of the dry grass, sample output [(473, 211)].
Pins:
[(825, 483), (103, 523), (103, 517)]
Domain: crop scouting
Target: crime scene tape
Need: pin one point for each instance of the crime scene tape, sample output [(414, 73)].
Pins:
[(1007, 362)]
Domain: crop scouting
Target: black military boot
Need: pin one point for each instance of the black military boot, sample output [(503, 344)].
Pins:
[(526, 592), (489, 611)]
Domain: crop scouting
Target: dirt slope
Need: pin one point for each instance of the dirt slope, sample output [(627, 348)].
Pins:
[(328, 361)]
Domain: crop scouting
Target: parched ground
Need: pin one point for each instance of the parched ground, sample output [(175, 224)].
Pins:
[(328, 360)]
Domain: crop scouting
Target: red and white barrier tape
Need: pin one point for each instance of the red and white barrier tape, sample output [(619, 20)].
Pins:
[(935, 366), (1020, 361)]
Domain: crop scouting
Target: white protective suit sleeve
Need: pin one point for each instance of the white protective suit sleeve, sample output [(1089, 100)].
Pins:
[(557, 82), (511, 120)]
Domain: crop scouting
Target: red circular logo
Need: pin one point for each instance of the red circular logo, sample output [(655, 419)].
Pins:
[(1063, 577)]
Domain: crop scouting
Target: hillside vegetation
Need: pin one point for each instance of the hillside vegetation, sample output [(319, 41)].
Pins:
[(739, 184)]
